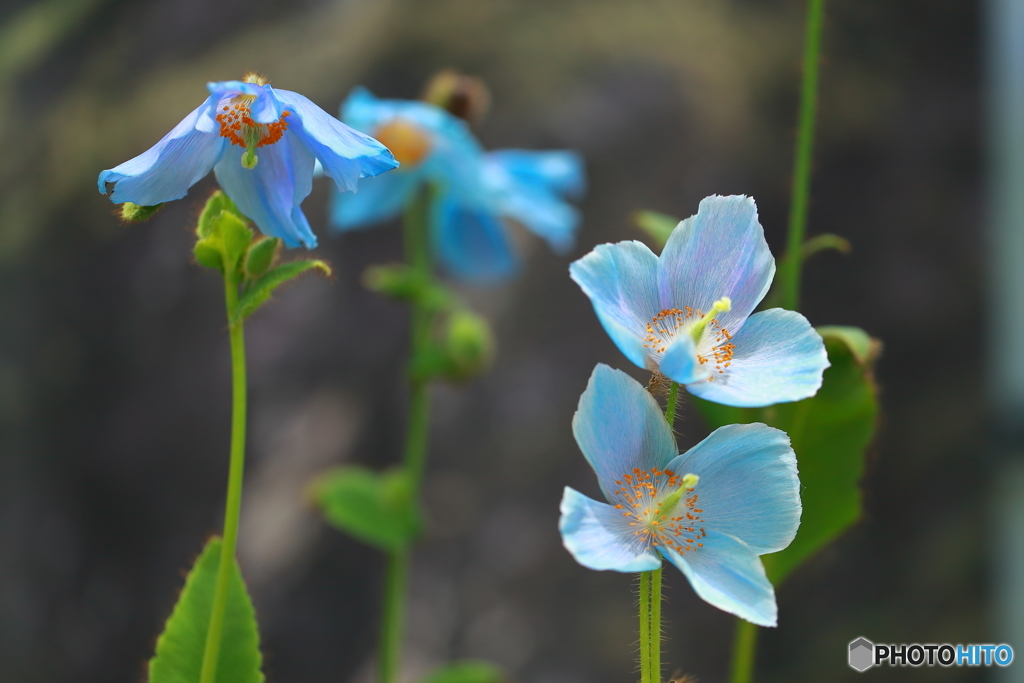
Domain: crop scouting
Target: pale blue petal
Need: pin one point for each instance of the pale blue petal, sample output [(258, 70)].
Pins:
[(346, 154), (470, 243), (558, 171), (778, 358), (522, 192), (378, 199), (271, 193), (621, 281), (679, 362), (620, 427), (166, 170), (730, 576), (748, 485), (598, 537), (719, 252)]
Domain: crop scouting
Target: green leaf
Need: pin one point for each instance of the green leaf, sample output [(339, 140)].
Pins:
[(830, 433), (377, 508), (215, 205), (658, 225), (260, 257), (467, 671), (179, 649), (260, 290)]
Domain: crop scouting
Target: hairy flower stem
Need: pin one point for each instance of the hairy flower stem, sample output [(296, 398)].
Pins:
[(417, 251), (793, 265), (650, 590), (233, 506)]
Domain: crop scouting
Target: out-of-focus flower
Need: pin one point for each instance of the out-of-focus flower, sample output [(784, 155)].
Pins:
[(475, 190), (710, 511), (262, 144), (687, 313)]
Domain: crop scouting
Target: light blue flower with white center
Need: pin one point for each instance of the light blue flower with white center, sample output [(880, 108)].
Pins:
[(710, 511), (687, 313), (476, 190), (262, 144)]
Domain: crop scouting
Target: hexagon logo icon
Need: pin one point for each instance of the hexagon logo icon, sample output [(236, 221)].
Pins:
[(862, 654)]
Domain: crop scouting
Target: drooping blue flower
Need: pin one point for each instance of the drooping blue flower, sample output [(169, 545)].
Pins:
[(710, 511), (476, 190), (687, 314), (262, 144)]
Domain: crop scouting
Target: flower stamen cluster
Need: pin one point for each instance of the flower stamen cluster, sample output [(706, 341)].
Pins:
[(670, 520), (238, 126)]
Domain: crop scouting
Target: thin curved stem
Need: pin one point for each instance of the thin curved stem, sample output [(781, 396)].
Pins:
[(790, 277), (233, 506)]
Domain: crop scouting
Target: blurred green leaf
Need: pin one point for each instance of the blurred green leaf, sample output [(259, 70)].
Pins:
[(179, 649), (658, 225), (405, 283), (830, 433), (258, 293), (468, 671), (377, 508)]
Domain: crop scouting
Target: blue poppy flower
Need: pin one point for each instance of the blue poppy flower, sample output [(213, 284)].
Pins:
[(686, 314), (710, 511), (475, 189), (262, 144)]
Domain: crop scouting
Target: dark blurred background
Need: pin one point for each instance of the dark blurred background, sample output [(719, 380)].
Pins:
[(114, 375)]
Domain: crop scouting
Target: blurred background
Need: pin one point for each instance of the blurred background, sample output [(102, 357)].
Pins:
[(114, 374)]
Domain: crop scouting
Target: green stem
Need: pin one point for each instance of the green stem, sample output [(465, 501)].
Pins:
[(233, 506), (650, 591), (656, 626), (417, 251), (670, 404), (645, 627), (802, 163), (743, 650)]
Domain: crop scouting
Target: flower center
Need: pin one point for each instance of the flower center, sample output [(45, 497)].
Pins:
[(407, 141), (238, 126), (664, 327), (663, 508)]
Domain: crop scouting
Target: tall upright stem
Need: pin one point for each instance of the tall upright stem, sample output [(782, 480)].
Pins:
[(233, 506), (417, 252), (650, 590), (790, 277)]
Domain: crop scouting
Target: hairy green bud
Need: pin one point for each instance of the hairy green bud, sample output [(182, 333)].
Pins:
[(136, 213)]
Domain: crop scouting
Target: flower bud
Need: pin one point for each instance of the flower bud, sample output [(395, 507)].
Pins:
[(464, 96), (261, 257), (134, 213), (470, 344)]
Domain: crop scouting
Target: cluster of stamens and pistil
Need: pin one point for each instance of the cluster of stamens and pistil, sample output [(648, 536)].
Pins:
[(661, 518), (238, 126), (663, 328)]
